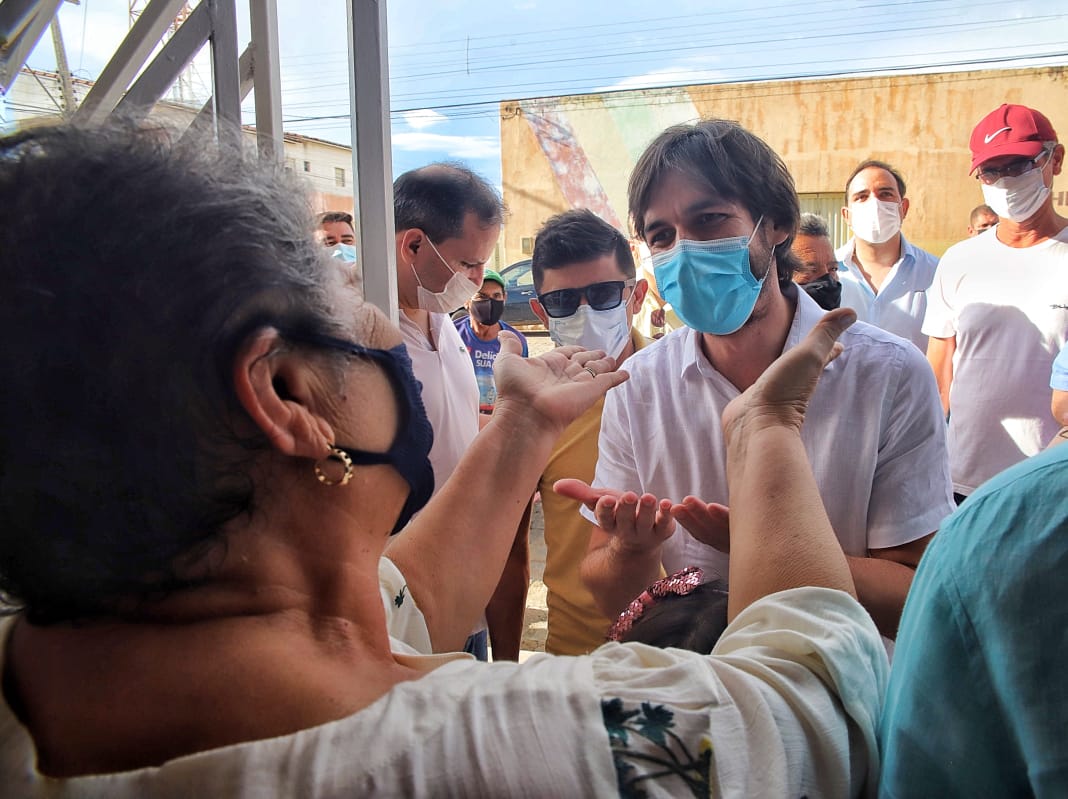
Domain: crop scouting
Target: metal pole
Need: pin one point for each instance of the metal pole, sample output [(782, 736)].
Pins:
[(128, 60), (225, 69), (267, 76), (22, 23), (371, 151), (168, 64), (63, 68)]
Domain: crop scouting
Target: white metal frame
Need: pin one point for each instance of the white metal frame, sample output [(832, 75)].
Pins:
[(22, 22)]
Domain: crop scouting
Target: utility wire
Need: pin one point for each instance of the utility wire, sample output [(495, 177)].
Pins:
[(576, 101)]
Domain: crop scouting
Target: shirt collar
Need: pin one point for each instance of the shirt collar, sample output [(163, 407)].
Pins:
[(844, 254), (693, 360), (807, 313)]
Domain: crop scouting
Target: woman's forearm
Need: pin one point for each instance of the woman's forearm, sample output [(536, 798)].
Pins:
[(780, 534)]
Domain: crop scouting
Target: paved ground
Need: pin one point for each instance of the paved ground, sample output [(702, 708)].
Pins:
[(536, 629), (534, 634)]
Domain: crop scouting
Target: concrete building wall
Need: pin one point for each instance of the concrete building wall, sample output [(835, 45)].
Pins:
[(557, 153)]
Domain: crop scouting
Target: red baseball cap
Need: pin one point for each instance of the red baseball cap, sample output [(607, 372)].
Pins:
[(1010, 130)]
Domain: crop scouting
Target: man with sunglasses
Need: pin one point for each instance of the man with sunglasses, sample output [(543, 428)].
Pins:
[(588, 293), (997, 312), (718, 210)]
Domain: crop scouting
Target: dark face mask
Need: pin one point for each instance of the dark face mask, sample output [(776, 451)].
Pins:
[(409, 453), (487, 312), (826, 291)]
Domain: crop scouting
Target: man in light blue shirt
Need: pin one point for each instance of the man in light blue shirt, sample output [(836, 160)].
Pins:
[(885, 278)]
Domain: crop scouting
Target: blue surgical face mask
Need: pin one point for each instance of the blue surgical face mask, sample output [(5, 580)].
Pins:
[(709, 283), (344, 252), (409, 453)]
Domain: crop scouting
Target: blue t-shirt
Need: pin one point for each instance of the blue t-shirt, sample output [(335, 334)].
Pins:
[(1059, 379), (978, 700), (483, 354)]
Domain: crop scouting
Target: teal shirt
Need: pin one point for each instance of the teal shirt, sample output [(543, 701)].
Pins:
[(978, 698)]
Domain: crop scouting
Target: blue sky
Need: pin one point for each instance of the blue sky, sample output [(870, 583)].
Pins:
[(452, 61)]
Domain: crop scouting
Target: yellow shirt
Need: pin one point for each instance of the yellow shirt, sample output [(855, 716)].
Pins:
[(575, 625)]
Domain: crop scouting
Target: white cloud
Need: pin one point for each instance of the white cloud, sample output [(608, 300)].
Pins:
[(668, 76), (423, 118), (462, 147)]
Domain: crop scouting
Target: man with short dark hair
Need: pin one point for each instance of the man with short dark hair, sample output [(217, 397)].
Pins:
[(336, 228), (981, 218), (588, 293), (718, 209), (884, 277), (817, 269), (447, 222), (997, 311)]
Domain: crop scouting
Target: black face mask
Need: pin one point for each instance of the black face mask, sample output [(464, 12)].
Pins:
[(487, 312), (826, 291), (409, 453)]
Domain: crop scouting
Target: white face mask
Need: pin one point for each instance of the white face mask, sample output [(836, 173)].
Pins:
[(457, 291), (594, 330), (875, 221), (1017, 198)]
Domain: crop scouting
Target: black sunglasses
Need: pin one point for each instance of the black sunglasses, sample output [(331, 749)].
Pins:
[(601, 297), (992, 174)]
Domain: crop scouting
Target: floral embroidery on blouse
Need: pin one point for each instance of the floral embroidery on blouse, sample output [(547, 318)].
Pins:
[(644, 748), (398, 600)]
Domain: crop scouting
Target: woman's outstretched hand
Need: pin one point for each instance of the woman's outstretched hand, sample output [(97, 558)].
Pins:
[(779, 398), (556, 387)]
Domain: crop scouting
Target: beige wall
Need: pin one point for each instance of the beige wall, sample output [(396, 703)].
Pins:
[(821, 128)]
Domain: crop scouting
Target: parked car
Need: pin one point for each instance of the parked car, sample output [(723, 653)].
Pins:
[(519, 285)]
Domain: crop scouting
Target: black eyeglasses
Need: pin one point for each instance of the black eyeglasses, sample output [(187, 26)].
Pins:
[(601, 297), (992, 174)]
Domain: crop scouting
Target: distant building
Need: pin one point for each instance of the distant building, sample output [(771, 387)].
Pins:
[(326, 166), (563, 152)]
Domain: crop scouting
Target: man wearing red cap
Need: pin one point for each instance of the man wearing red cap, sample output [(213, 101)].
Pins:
[(997, 311)]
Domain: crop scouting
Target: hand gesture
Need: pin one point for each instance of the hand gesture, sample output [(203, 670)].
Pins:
[(780, 395), (554, 388), (639, 523), (708, 522)]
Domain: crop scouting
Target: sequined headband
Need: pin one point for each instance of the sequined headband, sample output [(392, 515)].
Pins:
[(680, 583)]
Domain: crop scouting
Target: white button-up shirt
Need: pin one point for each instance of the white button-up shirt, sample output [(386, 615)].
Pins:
[(874, 432)]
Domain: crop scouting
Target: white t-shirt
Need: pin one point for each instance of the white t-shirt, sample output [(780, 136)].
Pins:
[(787, 705), (902, 300), (450, 391), (1008, 308), (874, 433)]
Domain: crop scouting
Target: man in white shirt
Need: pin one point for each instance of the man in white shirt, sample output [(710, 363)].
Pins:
[(997, 311), (447, 222), (718, 209), (884, 277)]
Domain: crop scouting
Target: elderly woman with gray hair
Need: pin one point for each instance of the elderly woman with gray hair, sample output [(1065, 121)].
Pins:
[(207, 441)]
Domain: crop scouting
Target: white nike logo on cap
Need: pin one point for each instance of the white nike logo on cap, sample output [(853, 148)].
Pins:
[(990, 138)]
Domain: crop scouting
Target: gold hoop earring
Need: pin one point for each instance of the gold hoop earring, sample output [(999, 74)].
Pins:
[(335, 455)]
